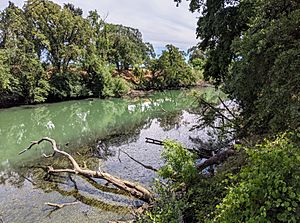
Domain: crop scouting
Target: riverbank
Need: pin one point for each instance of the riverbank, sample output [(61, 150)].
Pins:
[(133, 92)]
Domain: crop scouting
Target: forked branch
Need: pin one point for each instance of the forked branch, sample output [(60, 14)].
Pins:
[(134, 189)]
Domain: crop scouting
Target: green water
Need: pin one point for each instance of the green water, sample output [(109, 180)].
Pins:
[(94, 130), (78, 122)]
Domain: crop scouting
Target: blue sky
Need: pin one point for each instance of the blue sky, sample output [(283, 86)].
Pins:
[(160, 21)]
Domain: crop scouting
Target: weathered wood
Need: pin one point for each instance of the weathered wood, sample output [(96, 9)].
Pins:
[(154, 141), (148, 167), (216, 159), (134, 189), (61, 205)]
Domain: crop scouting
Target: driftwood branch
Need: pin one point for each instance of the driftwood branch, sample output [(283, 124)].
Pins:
[(134, 189), (61, 205), (216, 159), (139, 162)]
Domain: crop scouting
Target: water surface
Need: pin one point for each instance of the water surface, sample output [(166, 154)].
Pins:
[(94, 131)]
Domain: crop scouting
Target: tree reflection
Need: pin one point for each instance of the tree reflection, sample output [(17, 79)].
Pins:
[(93, 131)]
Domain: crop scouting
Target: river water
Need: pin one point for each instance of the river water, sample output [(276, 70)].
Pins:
[(93, 131)]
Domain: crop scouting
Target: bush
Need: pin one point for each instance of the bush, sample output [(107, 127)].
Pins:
[(180, 164), (120, 87), (268, 188), (184, 195), (68, 85), (265, 189)]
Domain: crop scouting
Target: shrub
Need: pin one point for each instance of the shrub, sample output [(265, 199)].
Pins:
[(268, 188)]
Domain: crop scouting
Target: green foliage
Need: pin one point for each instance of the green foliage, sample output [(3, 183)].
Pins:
[(114, 86), (60, 33), (49, 52), (252, 49), (184, 195), (268, 188), (180, 171), (68, 85), (171, 70), (22, 78), (220, 22), (197, 61), (5, 75), (168, 208), (32, 80), (126, 47), (265, 74), (180, 163), (120, 87), (102, 84)]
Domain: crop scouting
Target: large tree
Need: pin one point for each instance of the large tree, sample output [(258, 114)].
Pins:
[(23, 77), (252, 49), (264, 74), (126, 46), (220, 22), (171, 70), (59, 33)]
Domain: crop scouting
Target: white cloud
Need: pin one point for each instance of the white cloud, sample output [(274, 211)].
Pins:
[(160, 21)]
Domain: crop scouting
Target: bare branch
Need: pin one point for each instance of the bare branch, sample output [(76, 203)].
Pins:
[(226, 107), (154, 141), (133, 188), (216, 110), (61, 205), (144, 165)]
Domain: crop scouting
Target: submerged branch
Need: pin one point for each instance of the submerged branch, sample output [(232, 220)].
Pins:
[(143, 165), (134, 189), (58, 206)]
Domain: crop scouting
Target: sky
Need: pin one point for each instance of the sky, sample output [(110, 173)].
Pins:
[(160, 21)]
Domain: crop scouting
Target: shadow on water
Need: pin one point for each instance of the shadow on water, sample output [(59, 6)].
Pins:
[(93, 132)]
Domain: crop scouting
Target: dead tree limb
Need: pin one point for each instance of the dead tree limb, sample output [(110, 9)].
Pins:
[(216, 110), (154, 141), (161, 143), (226, 107), (58, 206), (216, 159), (134, 189), (143, 165)]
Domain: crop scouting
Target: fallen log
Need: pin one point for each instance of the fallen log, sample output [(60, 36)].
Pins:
[(134, 189), (216, 159)]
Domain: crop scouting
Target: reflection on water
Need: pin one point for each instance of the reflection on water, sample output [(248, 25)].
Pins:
[(78, 122), (95, 130)]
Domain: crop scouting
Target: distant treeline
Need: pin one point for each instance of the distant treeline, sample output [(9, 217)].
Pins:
[(51, 53)]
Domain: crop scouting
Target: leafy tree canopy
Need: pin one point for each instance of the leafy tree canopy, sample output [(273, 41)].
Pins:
[(252, 49)]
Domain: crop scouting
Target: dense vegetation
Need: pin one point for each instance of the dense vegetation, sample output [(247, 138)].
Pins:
[(50, 53), (251, 51), (249, 48), (262, 188)]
